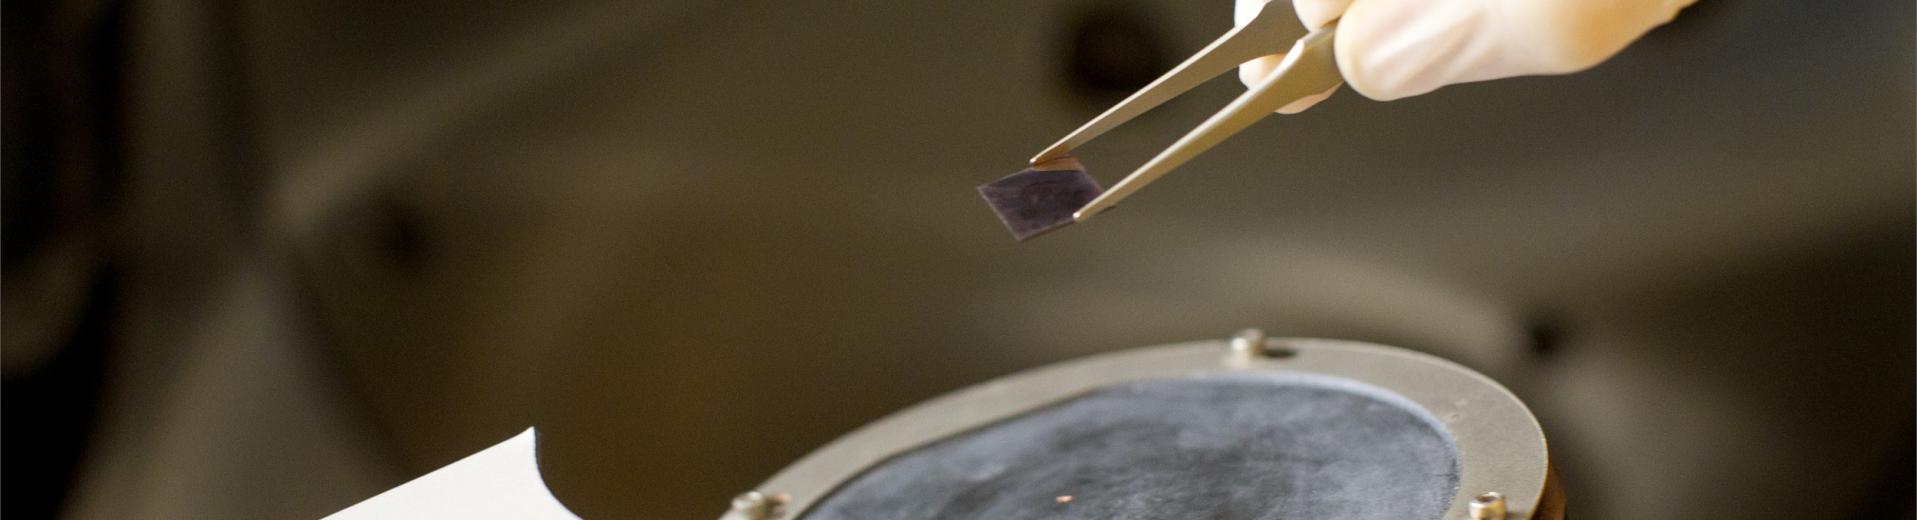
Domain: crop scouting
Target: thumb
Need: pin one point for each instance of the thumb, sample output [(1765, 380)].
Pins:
[(1312, 13)]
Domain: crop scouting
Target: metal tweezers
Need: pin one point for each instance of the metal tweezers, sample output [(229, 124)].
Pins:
[(1308, 69)]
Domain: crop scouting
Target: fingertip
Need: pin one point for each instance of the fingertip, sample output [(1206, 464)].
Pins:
[(1307, 102), (1255, 71), (1317, 13), (1391, 49)]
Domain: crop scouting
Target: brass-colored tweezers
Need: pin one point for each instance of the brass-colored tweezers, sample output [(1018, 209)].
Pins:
[(1308, 69)]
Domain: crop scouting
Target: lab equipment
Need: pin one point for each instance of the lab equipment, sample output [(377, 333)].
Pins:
[(1309, 69), (1211, 429)]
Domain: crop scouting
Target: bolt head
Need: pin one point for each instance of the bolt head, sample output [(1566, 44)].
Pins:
[(759, 506), (1488, 506), (1248, 343)]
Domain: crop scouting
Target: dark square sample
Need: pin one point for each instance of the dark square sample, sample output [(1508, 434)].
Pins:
[(1033, 201)]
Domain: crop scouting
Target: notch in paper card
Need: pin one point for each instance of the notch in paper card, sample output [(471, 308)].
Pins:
[(499, 482)]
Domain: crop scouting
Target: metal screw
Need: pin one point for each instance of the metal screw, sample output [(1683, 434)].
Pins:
[(1488, 506), (1248, 343), (753, 505)]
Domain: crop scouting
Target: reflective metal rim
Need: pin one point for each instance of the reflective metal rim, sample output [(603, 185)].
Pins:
[(1501, 448)]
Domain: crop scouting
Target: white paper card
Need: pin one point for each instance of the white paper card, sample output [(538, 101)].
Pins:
[(498, 482)]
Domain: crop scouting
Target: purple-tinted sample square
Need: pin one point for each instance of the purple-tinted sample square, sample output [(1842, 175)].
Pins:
[(1032, 202)]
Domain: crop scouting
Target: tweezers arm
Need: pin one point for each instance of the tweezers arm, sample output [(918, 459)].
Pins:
[(1309, 69), (1264, 35)]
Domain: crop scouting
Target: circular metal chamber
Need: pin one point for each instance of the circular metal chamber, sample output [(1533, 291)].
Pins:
[(1248, 428)]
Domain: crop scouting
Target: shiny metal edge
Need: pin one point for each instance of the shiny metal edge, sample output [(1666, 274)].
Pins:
[(1501, 447)]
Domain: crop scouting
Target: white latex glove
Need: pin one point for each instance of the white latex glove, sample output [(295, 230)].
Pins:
[(1390, 49)]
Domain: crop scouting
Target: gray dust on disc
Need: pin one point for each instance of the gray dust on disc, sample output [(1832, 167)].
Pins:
[(1227, 447)]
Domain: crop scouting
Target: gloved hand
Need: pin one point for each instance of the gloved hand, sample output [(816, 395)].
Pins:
[(1390, 49)]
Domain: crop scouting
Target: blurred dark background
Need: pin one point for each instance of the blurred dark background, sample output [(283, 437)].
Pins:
[(267, 259)]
